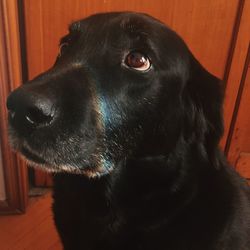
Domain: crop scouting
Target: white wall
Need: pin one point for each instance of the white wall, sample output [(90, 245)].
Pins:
[(2, 187)]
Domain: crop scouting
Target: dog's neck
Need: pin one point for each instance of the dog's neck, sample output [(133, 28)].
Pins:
[(175, 173)]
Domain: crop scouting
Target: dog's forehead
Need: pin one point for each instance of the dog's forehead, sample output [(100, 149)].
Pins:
[(111, 35), (123, 22)]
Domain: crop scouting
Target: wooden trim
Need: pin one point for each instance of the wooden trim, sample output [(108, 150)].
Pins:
[(15, 173), (242, 164), (233, 40), (235, 70), (237, 103), (22, 38)]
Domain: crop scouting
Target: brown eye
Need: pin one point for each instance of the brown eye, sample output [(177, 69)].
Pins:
[(137, 61), (62, 48)]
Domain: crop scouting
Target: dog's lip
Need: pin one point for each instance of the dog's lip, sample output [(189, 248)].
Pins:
[(31, 156)]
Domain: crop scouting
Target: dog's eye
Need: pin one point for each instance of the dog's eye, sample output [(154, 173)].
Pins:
[(62, 48), (137, 61)]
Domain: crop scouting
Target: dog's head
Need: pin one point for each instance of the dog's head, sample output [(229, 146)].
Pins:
[(124, 85)]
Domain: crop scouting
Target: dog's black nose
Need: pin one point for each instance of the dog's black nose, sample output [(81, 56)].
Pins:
[(29, 109)]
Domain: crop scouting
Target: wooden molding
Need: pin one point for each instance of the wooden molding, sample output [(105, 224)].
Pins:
[(15, 173), (243, 164), (235, 70)]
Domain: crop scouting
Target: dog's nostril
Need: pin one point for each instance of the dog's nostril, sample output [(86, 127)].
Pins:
[(36, 116)]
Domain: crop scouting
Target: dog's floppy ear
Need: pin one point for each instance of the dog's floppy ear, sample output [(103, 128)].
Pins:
[(203, 107)]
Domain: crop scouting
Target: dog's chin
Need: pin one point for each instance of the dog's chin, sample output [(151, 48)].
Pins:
[(33, 160)]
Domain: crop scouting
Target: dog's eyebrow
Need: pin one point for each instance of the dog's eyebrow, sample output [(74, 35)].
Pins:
[(134, 26)]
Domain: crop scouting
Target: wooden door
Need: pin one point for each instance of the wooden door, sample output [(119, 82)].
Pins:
[(14, 170), (239, 151), (208, 27), (237, 101)]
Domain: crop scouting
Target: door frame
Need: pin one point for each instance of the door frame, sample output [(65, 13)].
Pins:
[(15, 171)]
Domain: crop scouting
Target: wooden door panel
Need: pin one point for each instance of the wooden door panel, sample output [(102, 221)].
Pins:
[(15, 171), (239, 152), (243, 164), (236, 68), (206, 26)]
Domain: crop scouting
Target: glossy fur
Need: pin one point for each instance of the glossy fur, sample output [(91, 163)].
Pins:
[(135, 154)]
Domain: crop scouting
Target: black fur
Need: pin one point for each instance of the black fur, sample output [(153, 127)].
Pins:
[(135, 153)]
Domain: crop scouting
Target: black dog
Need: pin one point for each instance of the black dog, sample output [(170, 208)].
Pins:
[(130, 123)]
